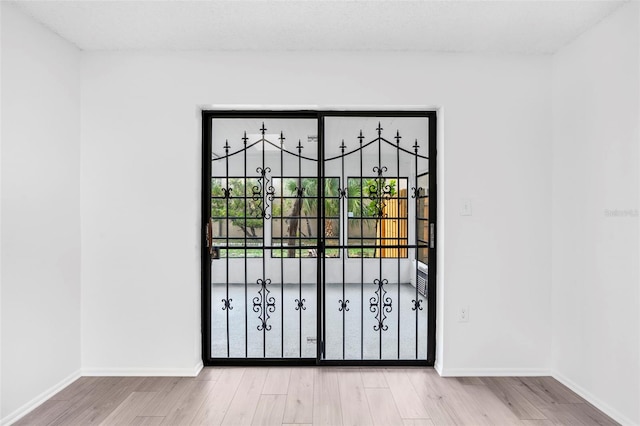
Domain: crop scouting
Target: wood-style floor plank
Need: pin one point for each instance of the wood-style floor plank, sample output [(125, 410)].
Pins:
[(42, 415), (588, 414), (316, 395), (559, 391), (466, 408), (270, 410), (277, 382), (489, 406), (544, 422), (104, 389), (166, 400), (327, 404), (129, 409), (546, 392), (209, 373), (246, 398), (417, 422), (184, 412), (404, 394), (355, 406), (299, 405), (156, 384), (147, 421), (437, 395), (373, 378), (511, 398), (110, 400), (216, 404), (383, 407), (470, 380), (77, 389)]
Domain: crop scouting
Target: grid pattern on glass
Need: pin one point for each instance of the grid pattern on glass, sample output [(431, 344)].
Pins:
[(237, 214), (295, 214), (422, 219), (377, 219), (371, 297)]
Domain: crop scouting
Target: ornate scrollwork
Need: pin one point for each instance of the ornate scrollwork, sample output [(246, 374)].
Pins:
[(299, 192), (300, 305), (378, 192), (264, 304), (342, 193), (379, 189), (256, 193), (417, 304), (380, 305), (343, 305), (380, 170), (227, 192), (261, 188), (226, 304), (271, 193), (416, 192)]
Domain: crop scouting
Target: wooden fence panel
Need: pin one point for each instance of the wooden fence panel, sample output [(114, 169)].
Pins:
[(393, 229)]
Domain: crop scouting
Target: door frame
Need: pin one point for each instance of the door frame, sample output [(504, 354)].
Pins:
[(319, 115)]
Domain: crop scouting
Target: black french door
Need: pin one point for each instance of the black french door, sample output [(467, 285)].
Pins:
[(318, 237)]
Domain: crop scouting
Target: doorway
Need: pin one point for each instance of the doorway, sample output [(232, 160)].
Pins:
[(319, 237)]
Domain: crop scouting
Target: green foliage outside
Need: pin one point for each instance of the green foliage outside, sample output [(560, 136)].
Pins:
[(245, 213)]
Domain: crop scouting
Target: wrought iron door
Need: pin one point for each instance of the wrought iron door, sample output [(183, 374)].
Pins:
[(318, 237)]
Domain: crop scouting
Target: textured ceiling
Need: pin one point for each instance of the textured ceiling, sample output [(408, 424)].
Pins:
[(439, 26)]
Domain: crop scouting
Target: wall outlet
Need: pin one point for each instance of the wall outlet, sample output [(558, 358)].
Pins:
[(463, 314), (465, 208)]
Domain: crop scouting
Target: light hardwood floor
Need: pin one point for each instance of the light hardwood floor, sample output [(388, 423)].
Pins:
[(318, 396)]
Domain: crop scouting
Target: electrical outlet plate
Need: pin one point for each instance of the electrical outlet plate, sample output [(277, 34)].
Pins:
[(465, 208), (463, 314)]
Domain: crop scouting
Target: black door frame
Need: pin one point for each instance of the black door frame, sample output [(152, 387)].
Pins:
[(319, 115)]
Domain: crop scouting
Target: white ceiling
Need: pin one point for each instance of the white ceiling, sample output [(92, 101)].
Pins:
[(441, 26)]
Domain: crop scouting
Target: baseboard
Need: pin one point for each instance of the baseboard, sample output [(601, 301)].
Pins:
[(35, 402), (492, 372), (144, 372), (438, 367), (198, 368), (593, 400)]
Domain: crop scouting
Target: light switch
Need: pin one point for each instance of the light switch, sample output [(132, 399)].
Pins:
[(465, 208)]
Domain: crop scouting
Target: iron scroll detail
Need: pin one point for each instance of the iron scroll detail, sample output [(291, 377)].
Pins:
[(264, 304), (380, 305)]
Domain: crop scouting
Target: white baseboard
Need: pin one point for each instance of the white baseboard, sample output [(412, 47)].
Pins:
[(438, 367), (35, 402), (198, 368), (593, 400), (491, 372), (144, 372)]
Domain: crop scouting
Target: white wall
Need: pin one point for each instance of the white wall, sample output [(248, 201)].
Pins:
[(141, 182), (596, 312), (40, 212)]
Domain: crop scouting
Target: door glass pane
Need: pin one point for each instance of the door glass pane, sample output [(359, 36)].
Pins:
[(264, 228), (373, 309), (278, 212)]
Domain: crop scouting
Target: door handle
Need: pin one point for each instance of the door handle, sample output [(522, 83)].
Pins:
[(209, 237), (432, 236)]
